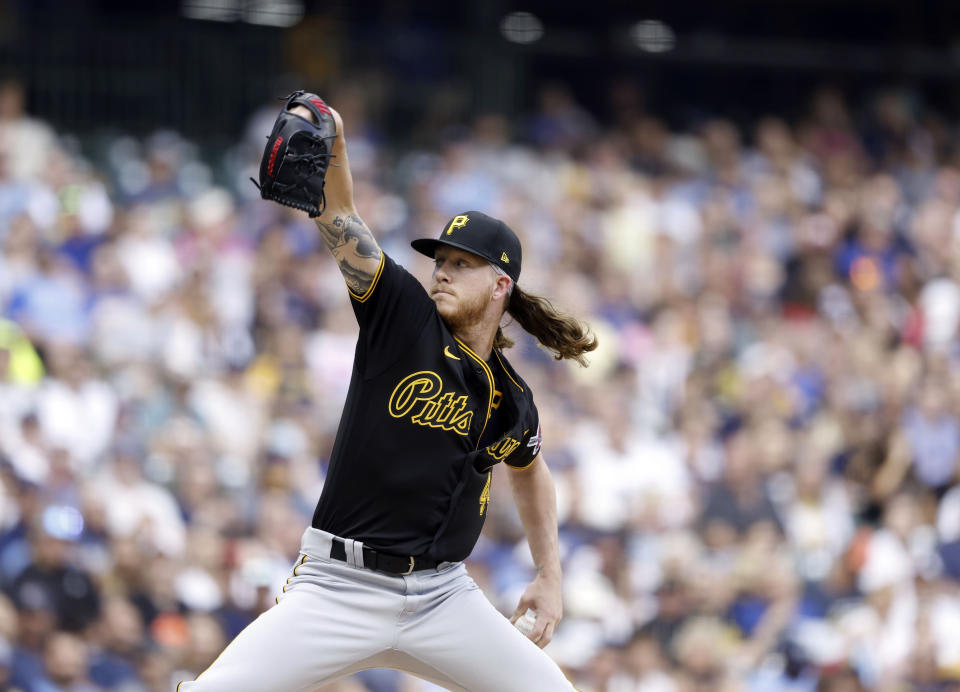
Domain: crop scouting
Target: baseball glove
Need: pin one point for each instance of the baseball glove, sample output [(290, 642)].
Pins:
[(297, 154)]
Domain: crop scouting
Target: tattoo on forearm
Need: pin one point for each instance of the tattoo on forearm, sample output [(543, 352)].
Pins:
[(351, 242)]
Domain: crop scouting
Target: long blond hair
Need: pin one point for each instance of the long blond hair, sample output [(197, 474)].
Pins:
[(563, 335)]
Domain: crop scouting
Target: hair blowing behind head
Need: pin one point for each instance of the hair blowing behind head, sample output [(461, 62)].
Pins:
[(562, 334)]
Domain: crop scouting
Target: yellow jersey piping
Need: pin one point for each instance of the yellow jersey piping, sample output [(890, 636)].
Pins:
[(507, 372), (299, 564), (373, 284), (486, 369), (521, 468)]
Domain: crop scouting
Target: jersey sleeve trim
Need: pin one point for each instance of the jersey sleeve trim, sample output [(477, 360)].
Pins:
[(373, 284), (521, 468), (533, 442)]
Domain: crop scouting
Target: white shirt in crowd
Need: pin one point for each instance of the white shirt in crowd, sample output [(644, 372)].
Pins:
[(79, 419)]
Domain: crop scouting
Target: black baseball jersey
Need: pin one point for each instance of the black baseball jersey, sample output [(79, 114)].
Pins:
[(425, 421)]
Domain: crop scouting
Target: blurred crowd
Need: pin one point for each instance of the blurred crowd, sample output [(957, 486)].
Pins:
[(757, 475)]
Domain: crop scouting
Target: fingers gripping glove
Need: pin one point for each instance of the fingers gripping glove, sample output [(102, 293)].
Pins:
[(297, 154)]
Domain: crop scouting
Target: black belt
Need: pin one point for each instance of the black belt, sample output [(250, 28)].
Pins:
[(382, 562)]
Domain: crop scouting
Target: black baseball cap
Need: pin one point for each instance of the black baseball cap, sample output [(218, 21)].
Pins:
[(482, 235)]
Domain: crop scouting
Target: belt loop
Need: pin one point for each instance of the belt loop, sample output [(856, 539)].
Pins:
[(348, 550), (358, 553)]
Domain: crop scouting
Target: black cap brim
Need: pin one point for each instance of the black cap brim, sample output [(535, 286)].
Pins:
[(428, 246)]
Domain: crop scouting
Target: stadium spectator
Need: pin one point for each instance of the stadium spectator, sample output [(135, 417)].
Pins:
[(758, 477)]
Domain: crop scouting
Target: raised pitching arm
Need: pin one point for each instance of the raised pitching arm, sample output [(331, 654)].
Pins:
[(353, 246)]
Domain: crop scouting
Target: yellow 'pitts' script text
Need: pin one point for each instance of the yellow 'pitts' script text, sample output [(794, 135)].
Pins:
[(421, 397)]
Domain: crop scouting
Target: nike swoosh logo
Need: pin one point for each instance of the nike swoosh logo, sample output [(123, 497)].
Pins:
[(446, 352)]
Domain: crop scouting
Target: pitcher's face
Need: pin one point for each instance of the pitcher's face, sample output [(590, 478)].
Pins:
[(462, 286)]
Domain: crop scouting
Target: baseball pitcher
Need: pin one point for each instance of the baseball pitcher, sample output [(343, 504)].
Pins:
[(433, 406)]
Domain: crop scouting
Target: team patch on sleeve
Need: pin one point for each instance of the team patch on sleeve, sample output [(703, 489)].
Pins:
[(535, 441), (524, 456)]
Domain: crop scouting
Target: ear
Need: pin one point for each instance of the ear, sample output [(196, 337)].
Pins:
[(501, 288)]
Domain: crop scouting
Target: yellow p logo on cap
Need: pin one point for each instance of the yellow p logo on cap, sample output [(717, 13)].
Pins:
[(458, 222)]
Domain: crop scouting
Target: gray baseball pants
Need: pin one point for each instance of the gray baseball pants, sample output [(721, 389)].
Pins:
[(334, 619)]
